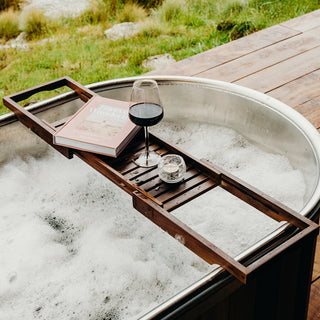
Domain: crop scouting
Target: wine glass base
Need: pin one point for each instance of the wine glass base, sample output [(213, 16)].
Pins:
[(152, 160)]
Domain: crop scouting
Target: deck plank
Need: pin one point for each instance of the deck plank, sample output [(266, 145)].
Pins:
[(284, 72), (316, 268), (304, 22), (314, 304), (298, 91), (225, 53), (265, 57), (311, 110)]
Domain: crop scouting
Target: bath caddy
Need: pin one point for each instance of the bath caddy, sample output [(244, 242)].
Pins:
[(156, 199)]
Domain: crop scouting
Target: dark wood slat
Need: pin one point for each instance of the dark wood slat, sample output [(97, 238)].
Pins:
[(137, 172), (150, 177), (125, 163), (169, 193), (288, 270), (156, 181), (142, 174), (167, 187), (130, 169), (189, 195), (126, 166)]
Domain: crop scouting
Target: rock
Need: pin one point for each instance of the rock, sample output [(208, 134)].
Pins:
[(20, 42), (156, 62), (122, 31)]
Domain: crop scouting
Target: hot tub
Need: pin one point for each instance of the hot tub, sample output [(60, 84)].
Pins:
[(279, 289)]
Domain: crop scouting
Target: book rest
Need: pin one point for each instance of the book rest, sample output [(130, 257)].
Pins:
[(155, 199)]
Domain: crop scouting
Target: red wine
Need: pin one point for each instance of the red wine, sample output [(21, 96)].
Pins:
[(145, 114)]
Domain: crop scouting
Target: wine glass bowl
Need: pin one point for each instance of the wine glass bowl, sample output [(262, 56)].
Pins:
[(146, 110)]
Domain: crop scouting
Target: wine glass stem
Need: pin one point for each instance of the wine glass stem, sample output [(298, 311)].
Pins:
[(146, 139)]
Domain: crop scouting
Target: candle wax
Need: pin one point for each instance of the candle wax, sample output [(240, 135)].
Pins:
[(171, 168)]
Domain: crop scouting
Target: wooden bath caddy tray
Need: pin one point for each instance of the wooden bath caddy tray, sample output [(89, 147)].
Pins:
[(155, 199)]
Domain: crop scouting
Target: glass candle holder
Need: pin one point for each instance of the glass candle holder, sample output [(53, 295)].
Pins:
[(171, 168)]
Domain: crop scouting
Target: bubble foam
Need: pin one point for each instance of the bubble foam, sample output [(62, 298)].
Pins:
[(72, 246)]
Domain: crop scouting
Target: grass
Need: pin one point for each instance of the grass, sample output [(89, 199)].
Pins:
[(78, 48), (131, 12), (9, 25), (34, 24)]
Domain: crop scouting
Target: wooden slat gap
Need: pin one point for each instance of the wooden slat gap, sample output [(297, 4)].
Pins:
[(181, 188), (128, 164), (152, 170), (315, 280), (147, 195), (245, 54), (190, 195), (282, 24), (136, 172), (141, 182), (60, 122), (298, 106), (274, 64), (189, 175), (167, 187), (155, 186), (271, 65), (125, 164), (284, 83)]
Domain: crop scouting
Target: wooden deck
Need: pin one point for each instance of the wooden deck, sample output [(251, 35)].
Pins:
[(282, 61)]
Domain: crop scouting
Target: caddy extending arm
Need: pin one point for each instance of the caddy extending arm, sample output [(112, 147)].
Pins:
[(38, 126)]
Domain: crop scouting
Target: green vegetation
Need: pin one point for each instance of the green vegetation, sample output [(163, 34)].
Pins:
[(131, 12), (9, 25), (35, 25), (78, 48)]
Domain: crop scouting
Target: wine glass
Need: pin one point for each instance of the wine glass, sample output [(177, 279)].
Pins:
[(146, 110)]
